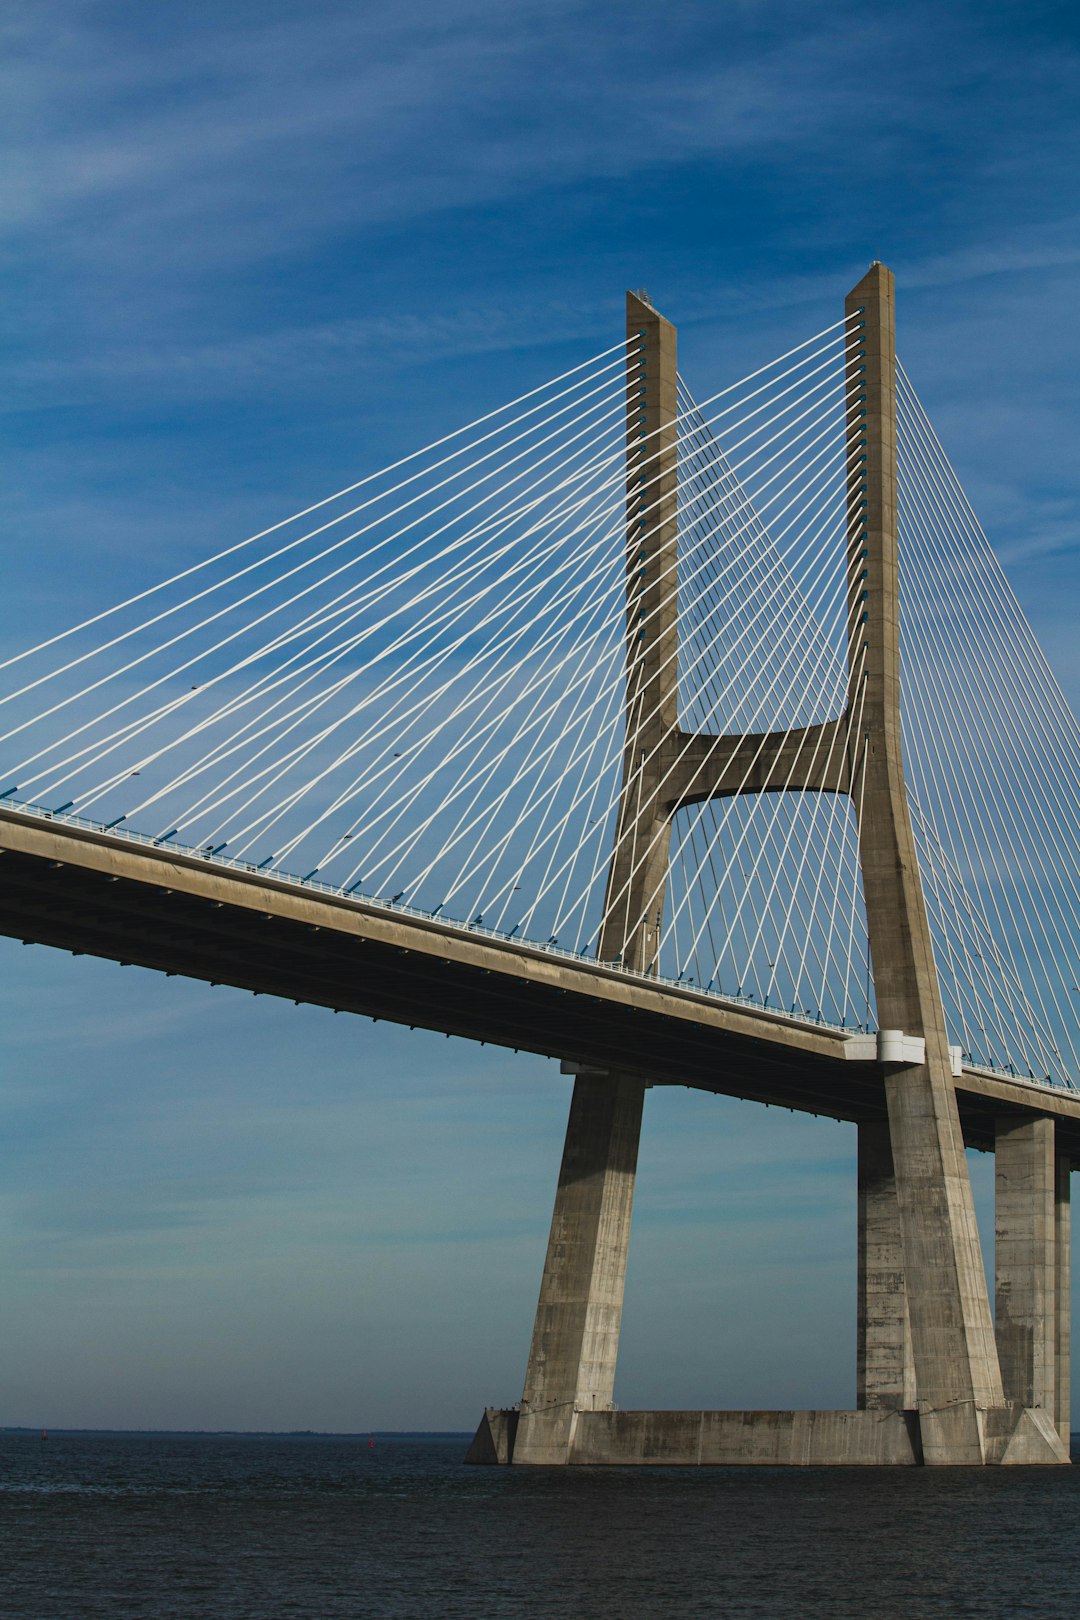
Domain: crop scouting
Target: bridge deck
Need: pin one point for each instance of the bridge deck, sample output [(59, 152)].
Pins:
[(87, 891)]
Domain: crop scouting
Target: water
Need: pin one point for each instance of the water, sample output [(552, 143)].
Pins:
[(170, 1527)]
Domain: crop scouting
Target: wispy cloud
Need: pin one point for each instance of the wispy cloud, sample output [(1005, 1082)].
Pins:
[(305, 355), (151, 168), (189, 146)]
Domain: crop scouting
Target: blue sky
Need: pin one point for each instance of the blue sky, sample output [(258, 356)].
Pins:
[(253, 251)]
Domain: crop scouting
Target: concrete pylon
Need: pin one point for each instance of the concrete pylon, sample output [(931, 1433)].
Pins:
[(575, 1338), (957, 1377)]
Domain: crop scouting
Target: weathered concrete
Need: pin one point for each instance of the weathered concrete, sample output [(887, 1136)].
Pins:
[(715, 1439), (885, 1371), (768, 1439), (1025, 1311), (576, 1334), (949, 1310), (637, 876), (495, 1438), (575, 1337), (701, 766), (1021, 1436), (1062, 1295), (1008, 1436)]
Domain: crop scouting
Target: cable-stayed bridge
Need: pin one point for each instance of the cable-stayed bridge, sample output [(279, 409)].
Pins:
[(687, 740)]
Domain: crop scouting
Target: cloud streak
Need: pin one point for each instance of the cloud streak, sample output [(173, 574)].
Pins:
[(240, 140)]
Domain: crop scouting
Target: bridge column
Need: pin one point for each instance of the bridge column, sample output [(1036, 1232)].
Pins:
[(885, 1372), (951, 1331), (1025, 1300), (576, 1334), (575, 1338), (1062, 1298)]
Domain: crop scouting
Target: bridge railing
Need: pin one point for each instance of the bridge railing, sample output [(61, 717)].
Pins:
[(279, 879)]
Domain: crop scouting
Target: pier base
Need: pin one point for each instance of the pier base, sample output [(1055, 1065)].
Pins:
[(869, 1438)]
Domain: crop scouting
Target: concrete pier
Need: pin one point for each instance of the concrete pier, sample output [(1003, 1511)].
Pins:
[(576, 1334), (885, 1371), (1062, 1295), (1025, 1311), (952, 1340)]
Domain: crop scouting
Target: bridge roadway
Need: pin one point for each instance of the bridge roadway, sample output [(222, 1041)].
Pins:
[(89, 891)]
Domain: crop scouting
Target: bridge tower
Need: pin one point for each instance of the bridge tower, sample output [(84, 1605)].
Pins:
[(575, 1337), (927, 1357), (943, 1313)]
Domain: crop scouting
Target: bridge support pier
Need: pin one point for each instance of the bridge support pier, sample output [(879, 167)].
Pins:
[(576, 1332), (1031, 1187), (567, 1416), (1063, 1298), (955, 1361), (885, 1372)]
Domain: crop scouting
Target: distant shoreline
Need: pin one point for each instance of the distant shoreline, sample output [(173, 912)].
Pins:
[(250, 1434)]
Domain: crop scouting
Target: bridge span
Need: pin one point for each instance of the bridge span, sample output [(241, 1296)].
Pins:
[(98, 893)]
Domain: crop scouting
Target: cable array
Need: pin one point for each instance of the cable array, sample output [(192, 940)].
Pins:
[(765, 896), (297, 691), (992, 758), (414, 690)]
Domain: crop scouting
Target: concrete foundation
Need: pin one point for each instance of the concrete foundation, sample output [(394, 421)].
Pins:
[(866, 1439)]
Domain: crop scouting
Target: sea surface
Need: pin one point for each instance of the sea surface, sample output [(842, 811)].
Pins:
[(369, 1528)]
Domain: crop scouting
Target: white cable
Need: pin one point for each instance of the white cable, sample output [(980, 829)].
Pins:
[(616, 348), (312, 782), (290, 573)]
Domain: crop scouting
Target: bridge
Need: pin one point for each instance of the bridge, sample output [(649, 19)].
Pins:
[(695, 743)]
